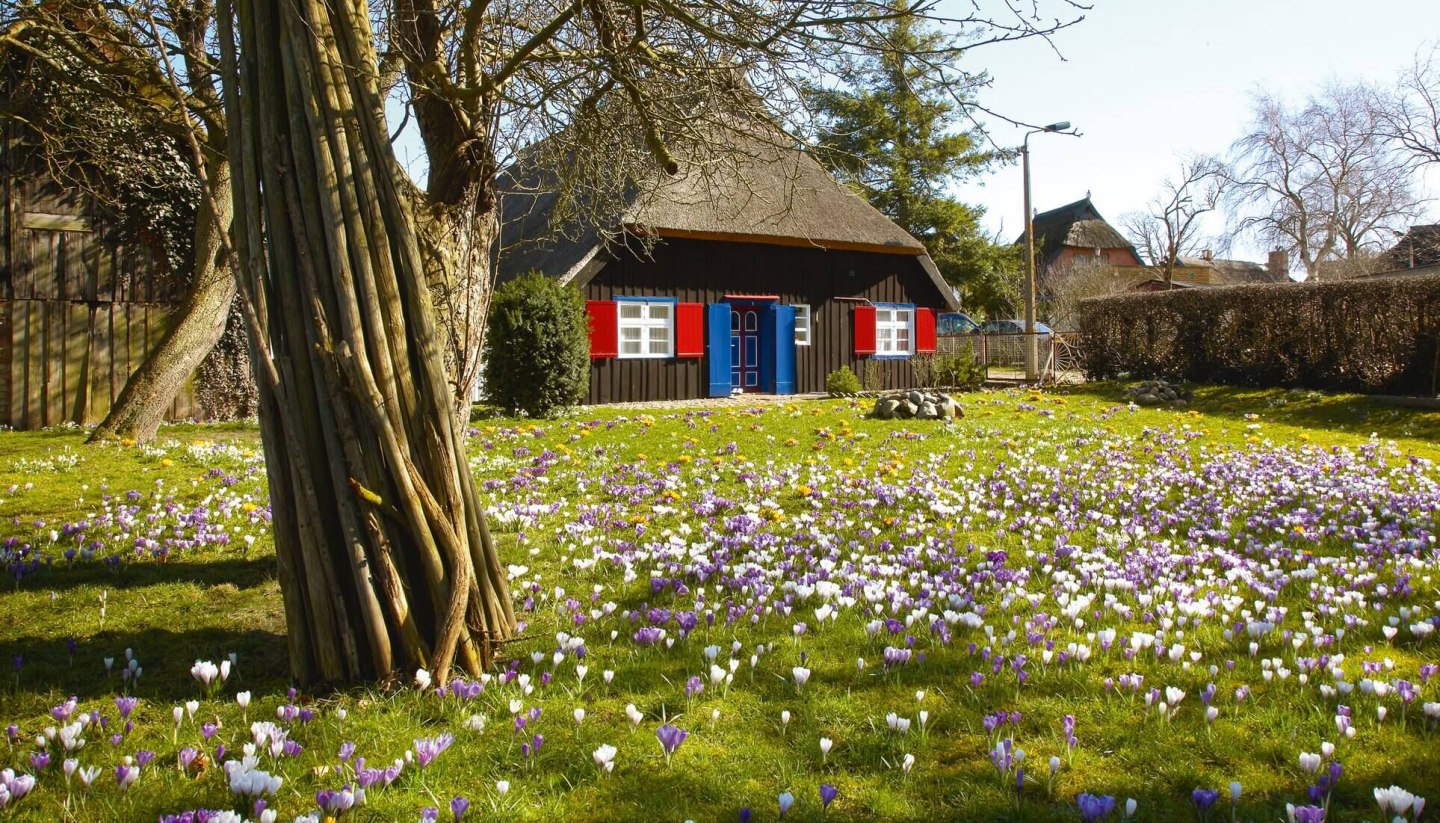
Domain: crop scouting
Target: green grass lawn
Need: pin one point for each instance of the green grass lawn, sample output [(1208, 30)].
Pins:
[(798, 535)]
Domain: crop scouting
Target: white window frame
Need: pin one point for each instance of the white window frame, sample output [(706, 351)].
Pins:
[(802, 323), (652, 315), (890, 321)]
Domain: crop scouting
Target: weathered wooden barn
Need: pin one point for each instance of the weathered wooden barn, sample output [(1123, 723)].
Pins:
[(79, 308), (761, 275)]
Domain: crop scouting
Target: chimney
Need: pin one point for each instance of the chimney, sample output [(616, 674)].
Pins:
[(1207, 255), (1278, 265)]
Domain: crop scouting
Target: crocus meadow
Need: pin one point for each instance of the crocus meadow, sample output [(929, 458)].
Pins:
[(1059, 607)]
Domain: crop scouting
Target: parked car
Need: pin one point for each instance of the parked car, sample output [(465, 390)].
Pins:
[(953, 322), (1015, 327)]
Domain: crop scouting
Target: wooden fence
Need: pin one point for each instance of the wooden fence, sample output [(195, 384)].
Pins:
[(78, 310)]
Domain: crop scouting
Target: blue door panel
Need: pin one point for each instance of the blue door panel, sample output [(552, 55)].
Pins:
[(719, 348)]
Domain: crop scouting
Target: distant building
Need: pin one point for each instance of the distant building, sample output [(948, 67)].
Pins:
[(1076, 235), (1418, 248)]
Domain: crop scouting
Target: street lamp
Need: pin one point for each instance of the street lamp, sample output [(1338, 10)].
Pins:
[(1032, 366)]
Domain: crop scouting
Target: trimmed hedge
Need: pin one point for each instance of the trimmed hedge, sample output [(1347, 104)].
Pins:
[(1376, 335)]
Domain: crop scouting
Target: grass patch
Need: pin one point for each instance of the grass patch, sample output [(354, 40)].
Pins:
[(795, 535)]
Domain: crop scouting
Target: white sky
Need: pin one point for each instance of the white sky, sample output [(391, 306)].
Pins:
[(1147, 81)]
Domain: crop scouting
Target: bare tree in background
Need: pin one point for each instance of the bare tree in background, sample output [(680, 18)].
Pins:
[(1169, 228), (1409, 114), (1081, 279), (1321, 180)]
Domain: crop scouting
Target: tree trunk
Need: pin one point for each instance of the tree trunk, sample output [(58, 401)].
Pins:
[(199, 324), (385, 561), (456, 243)]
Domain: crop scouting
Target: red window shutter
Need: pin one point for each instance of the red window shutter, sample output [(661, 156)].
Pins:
[(924, 331), (690, 330), (863, 319), (604, 328)]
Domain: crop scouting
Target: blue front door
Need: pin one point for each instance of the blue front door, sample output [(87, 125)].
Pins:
[(745, 347)]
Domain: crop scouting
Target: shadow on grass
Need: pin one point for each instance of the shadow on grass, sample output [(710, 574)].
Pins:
[(242, 573), (49, 672)]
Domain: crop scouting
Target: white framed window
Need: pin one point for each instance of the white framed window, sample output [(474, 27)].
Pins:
[(802, 324), (647, 328), (895, 330)]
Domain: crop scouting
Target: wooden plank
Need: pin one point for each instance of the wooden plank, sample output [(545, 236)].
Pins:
[(77, 360), (119, 348), (6, 349), (7, 235), (42, 221), (98, 395), (73, 264), (19, 331), (34, 365), (55, 400)]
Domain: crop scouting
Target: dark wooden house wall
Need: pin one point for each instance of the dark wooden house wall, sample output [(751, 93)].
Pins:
[(702, 271), (78, 310)]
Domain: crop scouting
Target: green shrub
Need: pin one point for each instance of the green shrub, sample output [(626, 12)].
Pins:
[(842, 381), (1368, 335), (537, 346), (959, 369)]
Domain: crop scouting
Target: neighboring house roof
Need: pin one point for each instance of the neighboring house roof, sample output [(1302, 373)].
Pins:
[(763, 191), (1078, 225), (1235, 272), (1419, 247), (1418, 271)]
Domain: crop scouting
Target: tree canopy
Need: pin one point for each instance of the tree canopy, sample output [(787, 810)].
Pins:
[(895, 128)]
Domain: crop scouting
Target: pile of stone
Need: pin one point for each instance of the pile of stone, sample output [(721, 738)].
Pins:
[(1158, 393), (919, 405)]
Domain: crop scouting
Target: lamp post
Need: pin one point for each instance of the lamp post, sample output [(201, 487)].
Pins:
[(1032, 366)]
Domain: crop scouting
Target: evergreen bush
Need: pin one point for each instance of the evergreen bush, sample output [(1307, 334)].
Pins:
[(842, 381), (537, 346)]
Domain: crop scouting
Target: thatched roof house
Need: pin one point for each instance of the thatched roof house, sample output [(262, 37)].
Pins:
[(1077, 234), (754, 272)]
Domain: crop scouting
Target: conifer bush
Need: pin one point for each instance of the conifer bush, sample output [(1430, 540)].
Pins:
[(537, 346)]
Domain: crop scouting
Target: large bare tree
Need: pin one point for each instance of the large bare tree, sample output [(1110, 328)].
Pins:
[(1320, 180), (386, 563), (1172, 224)]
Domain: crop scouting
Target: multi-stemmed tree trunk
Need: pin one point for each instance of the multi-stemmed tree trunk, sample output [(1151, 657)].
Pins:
[(199, 324), (385, 560)]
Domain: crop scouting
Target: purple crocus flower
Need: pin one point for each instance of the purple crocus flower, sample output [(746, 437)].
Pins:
[(1204, 799), (347, 750), (1305, 814), (458, 807), (429, 748), (827, 794), (670, 737), (335, 802), (1095, 808), (745, 814), (126, 705), (786, 800)]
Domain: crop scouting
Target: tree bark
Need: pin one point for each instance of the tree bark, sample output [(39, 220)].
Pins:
[(386, 563), (199, 324), (457, 244)]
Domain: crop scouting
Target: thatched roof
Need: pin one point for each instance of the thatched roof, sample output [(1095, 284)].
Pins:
[(759, 192), (1079, 225)]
